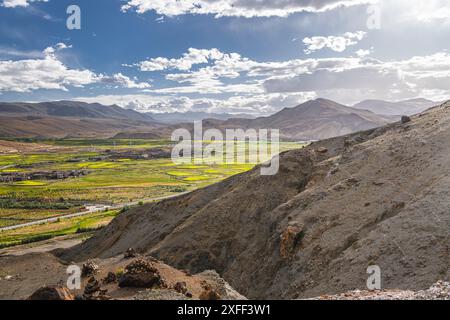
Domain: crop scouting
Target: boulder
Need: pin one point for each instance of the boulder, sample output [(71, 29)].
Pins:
[(89, 269), (181, 287), (141, 274), (53, 293), (290, 238), (406, 119), (110, 278), (92, 291), (322, 150), (130, 254), (209, 294)]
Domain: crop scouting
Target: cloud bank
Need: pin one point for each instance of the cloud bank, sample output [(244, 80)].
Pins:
[(237, 8)]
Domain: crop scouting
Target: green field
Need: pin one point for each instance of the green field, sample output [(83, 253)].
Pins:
[(110, 180)]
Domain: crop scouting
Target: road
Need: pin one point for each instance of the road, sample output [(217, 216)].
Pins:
[(90, 210)]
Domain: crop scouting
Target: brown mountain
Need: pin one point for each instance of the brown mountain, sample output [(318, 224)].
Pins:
[(68, 118), (312, 120), (379, 197)]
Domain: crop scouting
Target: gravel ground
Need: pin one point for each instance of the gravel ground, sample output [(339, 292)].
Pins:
[(439, 291)]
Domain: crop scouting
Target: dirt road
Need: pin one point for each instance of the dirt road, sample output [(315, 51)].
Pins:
[(90, 210)]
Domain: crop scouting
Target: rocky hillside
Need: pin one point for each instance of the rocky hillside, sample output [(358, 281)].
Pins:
[(379, 197), (126, 277)]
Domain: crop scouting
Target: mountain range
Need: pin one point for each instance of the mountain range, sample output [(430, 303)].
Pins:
[(61, 119), (190, 116), (312, 120), (406, 107)]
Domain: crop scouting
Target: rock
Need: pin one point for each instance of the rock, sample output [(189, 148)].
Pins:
[(92, 291), (322, 150), (141, 274), (110, 278), (406, 119), (223, 288), (92, 286), (89, 269), (180, 287), (209, 294), (130, 254), (290, 238), (334, 171), (351, 181), (52, 293)]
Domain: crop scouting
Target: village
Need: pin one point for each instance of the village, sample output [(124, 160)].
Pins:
[(9, 177)]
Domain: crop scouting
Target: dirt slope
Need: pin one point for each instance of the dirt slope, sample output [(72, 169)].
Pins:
[(379, 197)]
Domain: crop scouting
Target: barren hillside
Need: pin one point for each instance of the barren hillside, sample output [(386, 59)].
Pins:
[(379, 197)]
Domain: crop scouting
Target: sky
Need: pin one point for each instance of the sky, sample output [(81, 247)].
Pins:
[(223, 56)]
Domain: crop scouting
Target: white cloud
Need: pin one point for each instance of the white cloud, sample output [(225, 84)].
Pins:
[(46, 73), (50, 73), (335, 43), (14, 52), (120, 80), (421, 11), (373, 78), (347, 79), (237, 8), (18, 3), (261, 104), (189, 59), (363, 53)]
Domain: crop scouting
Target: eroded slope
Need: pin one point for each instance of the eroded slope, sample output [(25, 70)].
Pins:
[(379, 197)]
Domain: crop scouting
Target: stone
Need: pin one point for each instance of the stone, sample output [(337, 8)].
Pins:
[(92, 286), (92, 291), (180, 287), (209, 294), (110, 278), (141, 274), (89, 269), (130, 254), (290, 238), (52, 293), (406, 119), (322, 150)]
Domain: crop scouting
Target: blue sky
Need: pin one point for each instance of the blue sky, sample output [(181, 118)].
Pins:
[(224, 55)]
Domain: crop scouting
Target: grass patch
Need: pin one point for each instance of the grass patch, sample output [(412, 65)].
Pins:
[(30, 183)]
